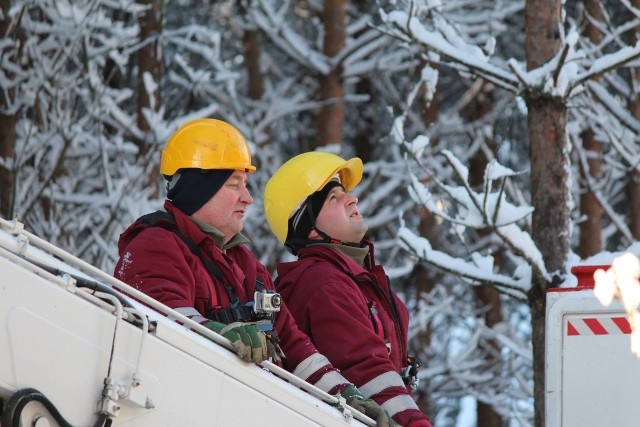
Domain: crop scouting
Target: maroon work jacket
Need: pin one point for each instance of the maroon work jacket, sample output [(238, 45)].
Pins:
[(356, 321), (157, 262)]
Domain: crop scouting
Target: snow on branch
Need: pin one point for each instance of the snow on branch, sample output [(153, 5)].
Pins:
[(277, 29), (475, 210), (616, 218), (563, 75), (607, 63), (604, 96), (463, 207), (444, 41), (421, 248)]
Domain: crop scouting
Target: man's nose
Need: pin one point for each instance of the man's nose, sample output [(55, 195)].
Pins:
[(351, 199), (246, 196)]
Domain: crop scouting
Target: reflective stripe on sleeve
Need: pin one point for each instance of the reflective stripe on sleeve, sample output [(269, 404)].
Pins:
[(330, 380), (398, 404), (310, 365), (191, 313), (381, 382), (200, 319)]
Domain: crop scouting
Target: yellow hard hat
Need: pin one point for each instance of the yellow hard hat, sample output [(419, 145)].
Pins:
[(206, 144), (300, 177)]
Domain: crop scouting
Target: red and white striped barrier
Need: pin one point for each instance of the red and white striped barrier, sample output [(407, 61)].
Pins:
[(598, 326), (591, 374)]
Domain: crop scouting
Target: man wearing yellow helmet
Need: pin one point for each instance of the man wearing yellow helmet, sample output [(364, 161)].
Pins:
[(192, 257), (338, 294)]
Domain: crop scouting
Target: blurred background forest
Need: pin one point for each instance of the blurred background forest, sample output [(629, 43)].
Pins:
[(500, 141)]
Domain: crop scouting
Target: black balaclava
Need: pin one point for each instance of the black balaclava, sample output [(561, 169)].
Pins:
[(304, 220), (190, 189)]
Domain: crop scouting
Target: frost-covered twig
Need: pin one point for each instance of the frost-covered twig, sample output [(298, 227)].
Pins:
[(420, 247), (616, 218), (468, 55), (605, 64), (278, 30)]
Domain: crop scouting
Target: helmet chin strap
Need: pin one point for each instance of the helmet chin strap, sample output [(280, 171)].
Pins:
[(328, 239), (325, 237), (293, 244), (312, 220)]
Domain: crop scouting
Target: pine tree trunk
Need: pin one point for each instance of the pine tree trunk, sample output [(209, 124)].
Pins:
[(7, 132), (149, 62), (7, 152), (251, 42), (549, 157), (363, 143), (330, 117), (590, 209), (255, 78), (590, 229), (488, 296), (550, 225), (423, 276), (633, 187), (633, 190)]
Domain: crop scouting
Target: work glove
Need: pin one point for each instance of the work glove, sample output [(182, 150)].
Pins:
[(249, 343), (369, 407), (274, 351)]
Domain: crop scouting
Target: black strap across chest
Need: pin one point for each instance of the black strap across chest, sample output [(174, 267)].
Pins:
[(377, 289), (236, 312)]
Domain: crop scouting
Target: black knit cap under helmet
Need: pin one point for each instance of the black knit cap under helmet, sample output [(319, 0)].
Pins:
[(304, 219), (194, 187)]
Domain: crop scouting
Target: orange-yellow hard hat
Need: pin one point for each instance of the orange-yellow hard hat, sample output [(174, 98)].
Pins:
[(300, 177), (206, 144)]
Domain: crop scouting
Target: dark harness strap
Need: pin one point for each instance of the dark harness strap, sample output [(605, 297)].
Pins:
[(409, 373), (237, 312)]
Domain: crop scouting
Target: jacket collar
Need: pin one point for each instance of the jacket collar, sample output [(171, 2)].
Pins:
[(357, 255), (200, 230), (351, 258)]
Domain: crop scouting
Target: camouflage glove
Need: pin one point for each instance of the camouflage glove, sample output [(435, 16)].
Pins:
[(369, 407), (274, 351), (249, 343)]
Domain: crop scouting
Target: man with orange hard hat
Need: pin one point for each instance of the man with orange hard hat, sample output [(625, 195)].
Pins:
[(192, 257)]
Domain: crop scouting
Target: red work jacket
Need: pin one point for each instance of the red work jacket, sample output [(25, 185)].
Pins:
[(356, 321), (157, 262)]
